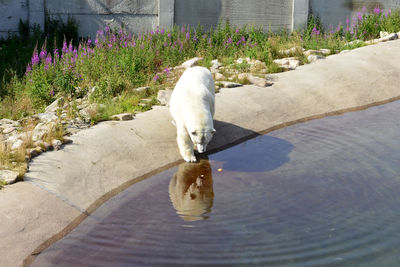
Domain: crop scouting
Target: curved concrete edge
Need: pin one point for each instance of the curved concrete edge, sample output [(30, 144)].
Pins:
[(107, 158)]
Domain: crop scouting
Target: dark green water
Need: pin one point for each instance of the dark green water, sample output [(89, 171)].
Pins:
[(321, 193)]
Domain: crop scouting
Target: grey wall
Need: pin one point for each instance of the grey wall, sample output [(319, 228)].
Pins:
[(270, 14), (334, 11), (10, 13), (144, 15), (92, 15)]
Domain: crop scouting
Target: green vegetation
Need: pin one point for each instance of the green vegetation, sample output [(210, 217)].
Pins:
[(37, 67)]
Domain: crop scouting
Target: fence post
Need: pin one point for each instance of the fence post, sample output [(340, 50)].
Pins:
[(166, 13), (300, 14), (36, 13)]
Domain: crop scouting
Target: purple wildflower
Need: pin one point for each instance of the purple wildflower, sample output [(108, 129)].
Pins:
[(364, 9), (167, 70), (48, 59), (100, 32), (35, 58), (96, 42), (359, 15), (64, 48), (52, 92), (70, 48), (169, 35), (107, 28), (237, 30), (156, 77), (165, 44), (110, 45), (162, 31), (377, 10), (89, 42), (183, 29), (195, 38), (43, 54), (347, 21), (28, 69), (187, 35)]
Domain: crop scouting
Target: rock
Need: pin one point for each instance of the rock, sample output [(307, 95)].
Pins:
[(122, 117), (345, 51), (33, 152), (373, 41), (325, 51), (41, 130), (390, 37), (66, 141), (46, 117), (88, 111), (191, 62), (142, 89), (313, 58), (9, 130), (290, 51), (17, 144), (215, 65), (383, 34), (254, 79), (219, 76), (54, 106), (289, 63), (9, 177), (164, 96), (355, 42), (226, 84), (56, 144), (8, 122)]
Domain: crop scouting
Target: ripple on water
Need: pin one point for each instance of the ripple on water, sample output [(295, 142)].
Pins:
[(325, 192)]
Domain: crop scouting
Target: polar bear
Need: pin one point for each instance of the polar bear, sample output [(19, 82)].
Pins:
[(192, 107)]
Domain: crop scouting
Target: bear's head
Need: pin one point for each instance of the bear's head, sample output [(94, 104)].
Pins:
[(201, 138)]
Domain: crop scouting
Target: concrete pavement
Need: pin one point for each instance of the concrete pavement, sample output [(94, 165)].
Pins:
[(103, 160)]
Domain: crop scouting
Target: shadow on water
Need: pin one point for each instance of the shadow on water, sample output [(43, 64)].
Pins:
[(265, 153), (191, 190)]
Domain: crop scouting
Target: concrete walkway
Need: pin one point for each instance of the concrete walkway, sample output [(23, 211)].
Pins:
[(63, 187)]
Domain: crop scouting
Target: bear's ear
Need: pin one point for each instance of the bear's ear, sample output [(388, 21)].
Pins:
[(193, 133), (213, 131)]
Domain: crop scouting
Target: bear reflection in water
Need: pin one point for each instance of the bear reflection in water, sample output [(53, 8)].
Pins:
[(191, 190)]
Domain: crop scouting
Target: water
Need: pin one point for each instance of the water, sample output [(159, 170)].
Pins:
[(321, 193)]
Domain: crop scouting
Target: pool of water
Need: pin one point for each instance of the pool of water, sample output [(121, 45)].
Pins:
[(321, 193)]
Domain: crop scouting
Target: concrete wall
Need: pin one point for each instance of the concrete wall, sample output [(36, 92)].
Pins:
[(92, 15), (332, 12), (270, 14), (10, 13), (144, 15)]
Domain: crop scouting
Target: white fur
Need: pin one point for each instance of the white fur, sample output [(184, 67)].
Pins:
[(192, 107)]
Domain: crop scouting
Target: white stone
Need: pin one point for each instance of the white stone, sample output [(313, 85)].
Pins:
[(8, 176), (47, 116), (17, 144), (191, 62), (390, 37), (313, 58), (164, 96), (219, 76), (261, 82), (9, 130), (8, 122), (53, 106), (56, 144), (142, 89), (383, 34), (325, 51)]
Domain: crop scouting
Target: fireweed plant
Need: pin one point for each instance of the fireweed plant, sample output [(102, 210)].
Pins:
[(115, 62)]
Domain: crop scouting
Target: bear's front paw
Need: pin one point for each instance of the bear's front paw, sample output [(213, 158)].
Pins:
[(190, 158)]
